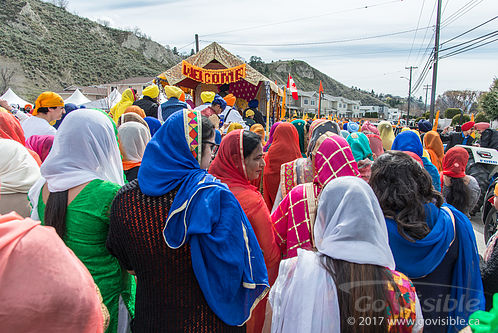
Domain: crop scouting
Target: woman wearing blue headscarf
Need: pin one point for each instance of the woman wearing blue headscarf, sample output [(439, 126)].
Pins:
[(432, 243), (183, 233), (154, 125), (410, 141)]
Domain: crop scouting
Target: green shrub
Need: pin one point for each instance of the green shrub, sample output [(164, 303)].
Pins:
[(456, 119), (451, 112), (481, 118)]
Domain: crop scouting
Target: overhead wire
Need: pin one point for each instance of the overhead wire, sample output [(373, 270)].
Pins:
[(466, 32), (301, 18), (324, 42), (415, 35), (469, 47)]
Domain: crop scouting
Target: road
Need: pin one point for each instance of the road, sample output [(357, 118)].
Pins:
[(479, 232)]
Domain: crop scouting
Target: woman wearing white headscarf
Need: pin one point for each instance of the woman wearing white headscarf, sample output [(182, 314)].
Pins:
[(133, 138), (350, 276), (80, 178), (18, 172)]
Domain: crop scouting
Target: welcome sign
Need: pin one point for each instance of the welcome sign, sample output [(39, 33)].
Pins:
[(214, 76)]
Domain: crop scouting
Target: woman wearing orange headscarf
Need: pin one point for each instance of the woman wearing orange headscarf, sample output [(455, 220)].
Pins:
[(434, 146), (10, 128), (259, 130), (285, 148), (136, 109)]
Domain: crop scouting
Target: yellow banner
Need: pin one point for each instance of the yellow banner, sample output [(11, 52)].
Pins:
[(213, 76)]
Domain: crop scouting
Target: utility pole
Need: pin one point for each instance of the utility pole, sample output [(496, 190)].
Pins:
[(196, 43), (411, 68), (436, 58), (426, 88)]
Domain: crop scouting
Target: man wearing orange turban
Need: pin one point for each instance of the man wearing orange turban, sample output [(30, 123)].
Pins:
[(49, 107), (230, 114)]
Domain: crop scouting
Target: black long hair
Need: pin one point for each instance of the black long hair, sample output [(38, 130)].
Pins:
[(55, 212), (360, 287), (250, 141), (459, 194), (207, 129), (403, 187)]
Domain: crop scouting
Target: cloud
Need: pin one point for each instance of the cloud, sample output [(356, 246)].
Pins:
[(361, 63)]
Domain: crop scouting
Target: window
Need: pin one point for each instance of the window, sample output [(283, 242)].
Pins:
[(312, 102), (305, 101)]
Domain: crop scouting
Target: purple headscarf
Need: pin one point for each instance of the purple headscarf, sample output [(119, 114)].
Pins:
[(270, 138)]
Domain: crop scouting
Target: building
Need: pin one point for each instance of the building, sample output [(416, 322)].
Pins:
[(382, 111), (307, 102), (393, 114)]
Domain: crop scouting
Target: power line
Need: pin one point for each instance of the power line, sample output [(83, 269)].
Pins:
[(301, 18), (323, 43), (463, 12), (466, 32), (467, 48), (415, 35), (484, 37)]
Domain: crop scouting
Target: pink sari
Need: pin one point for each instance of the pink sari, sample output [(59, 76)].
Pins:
[(294, 218)]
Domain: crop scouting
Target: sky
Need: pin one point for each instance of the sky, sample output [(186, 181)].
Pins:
[(361, 43)]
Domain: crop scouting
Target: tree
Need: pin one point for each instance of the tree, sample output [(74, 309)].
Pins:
[(6, 78), (489, 101), (61, 3), (175, 50), (462, 99), (192, 52)]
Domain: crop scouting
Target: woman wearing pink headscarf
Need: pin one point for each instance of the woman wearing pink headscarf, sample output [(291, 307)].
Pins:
[(369, 128), (45, 288), (41, 144), (295, 216)]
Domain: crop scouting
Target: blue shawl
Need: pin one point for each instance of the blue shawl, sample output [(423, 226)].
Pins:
[(226, 257), (419, 258), (410, 141)]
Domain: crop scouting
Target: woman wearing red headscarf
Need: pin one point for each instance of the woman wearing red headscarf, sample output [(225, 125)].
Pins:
[(10, 128), (285, 148), (240, 160), (459, 190)]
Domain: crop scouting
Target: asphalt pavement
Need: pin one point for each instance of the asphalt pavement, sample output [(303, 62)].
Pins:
[(479, 232)]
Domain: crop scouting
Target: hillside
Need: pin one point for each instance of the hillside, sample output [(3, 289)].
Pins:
[(307, 78), (50, 48)]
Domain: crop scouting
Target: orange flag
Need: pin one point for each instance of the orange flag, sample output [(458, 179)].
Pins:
[(282, 112), (436, 120)]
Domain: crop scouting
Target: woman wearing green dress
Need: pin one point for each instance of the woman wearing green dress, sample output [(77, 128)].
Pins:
[(80, 178)]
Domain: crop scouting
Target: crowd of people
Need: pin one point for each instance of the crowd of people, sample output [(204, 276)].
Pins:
[(172, 217)]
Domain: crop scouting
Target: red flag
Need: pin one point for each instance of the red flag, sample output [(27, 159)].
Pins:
[(320, 90), (292, 87)]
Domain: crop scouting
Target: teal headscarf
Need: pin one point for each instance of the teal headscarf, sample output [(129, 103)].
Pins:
[(360, 146), (300, 125)]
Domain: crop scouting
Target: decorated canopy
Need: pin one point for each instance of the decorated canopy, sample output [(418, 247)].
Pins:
[(214, 66), (77, 98), (11, 98)]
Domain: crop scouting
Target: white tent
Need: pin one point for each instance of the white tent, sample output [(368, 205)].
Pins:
[(12, 98), (105, 103), (77, 98)]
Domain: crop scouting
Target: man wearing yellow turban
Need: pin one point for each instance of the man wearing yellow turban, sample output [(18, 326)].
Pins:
[(207, 98), (148, 103), (49, 106), (173, 103)]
